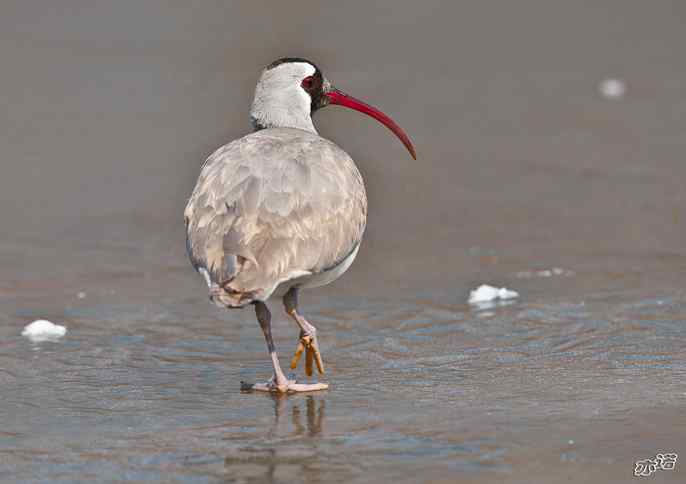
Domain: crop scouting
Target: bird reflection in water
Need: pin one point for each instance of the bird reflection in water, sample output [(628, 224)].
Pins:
[(284, 458), (314, 414)]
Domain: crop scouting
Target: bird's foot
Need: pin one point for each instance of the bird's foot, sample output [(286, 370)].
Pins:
[(283, 386), (309, 344)]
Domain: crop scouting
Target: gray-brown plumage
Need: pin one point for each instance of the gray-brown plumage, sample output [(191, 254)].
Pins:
[(278, 205), (280, 209)]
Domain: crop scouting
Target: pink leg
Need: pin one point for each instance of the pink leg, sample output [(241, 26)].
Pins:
[(308, 336), (279, 382)]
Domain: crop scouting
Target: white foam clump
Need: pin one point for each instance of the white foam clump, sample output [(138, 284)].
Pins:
[(43, 330), (612, 88), (555, 271), (486, 293)]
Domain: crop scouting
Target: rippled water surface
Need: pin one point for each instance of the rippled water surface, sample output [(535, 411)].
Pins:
[(528, 177), (145, 386)]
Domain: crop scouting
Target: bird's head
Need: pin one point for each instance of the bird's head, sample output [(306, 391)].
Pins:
[(291, 89)]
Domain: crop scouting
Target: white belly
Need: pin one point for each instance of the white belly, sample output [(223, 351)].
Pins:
[(316, 280)]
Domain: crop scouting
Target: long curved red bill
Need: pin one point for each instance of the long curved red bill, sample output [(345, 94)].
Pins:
[(342, 99)]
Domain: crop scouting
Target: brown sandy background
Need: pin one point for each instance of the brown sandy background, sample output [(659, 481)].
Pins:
[(109, 109)]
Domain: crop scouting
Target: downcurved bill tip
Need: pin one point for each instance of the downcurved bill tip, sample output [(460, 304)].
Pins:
[(342, 99)]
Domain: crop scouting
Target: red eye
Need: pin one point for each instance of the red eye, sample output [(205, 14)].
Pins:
[(307, 83)]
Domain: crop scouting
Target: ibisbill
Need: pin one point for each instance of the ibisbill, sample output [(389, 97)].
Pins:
[(281, 209)]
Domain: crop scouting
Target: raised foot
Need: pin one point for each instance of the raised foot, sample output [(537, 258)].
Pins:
[(309, 344), (289, 386)]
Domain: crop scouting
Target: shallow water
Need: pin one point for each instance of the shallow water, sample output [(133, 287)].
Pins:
[(570, 378), (109, 108)]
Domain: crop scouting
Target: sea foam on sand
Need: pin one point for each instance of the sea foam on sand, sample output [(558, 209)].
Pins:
[(486, 293), (42, 330)]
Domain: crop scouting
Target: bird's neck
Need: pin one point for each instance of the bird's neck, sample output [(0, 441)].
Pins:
[(299, 122), (277, 109)]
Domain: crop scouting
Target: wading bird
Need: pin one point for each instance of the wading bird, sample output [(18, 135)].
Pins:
[(280, 209)]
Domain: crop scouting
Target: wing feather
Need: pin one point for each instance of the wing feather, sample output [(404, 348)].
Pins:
[(274, 205)]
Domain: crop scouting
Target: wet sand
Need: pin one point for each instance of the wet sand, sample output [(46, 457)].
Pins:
[(524, 167)]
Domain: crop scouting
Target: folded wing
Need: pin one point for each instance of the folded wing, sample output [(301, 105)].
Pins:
[(272, 206)]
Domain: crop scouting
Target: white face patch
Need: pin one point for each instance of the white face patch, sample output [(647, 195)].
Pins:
[(280, 101)]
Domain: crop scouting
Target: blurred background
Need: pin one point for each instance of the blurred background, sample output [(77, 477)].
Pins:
[(111, 107), (550, 135)]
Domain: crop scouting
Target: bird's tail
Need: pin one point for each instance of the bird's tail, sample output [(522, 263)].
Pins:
[(227, 297), (221, 269), (221, 291)]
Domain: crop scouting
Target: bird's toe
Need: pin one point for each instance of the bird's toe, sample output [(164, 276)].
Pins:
[(289, 386), (308, 344)]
